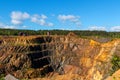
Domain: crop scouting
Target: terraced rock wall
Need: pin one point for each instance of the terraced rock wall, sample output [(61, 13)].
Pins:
[(39, 56)]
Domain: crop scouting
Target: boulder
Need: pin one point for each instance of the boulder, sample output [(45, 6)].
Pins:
[(10, 77)]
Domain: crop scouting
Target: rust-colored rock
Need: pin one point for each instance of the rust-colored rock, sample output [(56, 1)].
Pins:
[(81, 59)]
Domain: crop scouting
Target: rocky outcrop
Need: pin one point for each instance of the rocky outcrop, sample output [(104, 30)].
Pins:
[(13, 62), (40, 56), (10, 77)]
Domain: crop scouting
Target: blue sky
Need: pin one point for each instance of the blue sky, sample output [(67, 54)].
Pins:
[(60, 14)]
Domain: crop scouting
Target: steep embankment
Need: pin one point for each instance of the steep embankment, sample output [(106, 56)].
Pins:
[(56, 57)]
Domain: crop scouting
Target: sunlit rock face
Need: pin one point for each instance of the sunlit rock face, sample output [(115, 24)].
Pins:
[(67, 57), (92, 58), (115, 76)]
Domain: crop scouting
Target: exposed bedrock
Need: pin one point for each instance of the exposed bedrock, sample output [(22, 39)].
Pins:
[(38, 56)]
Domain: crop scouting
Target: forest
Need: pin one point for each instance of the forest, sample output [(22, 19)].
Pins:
[(81, 33)]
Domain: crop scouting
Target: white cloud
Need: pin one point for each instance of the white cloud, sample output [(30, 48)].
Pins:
[(100, 28), (50, 24), (1, 24), (115, 28), (9, 27), (71, 18), (67, 17), (24, 26), (17, 17), (6, 26), (41, 20), (44, 16)]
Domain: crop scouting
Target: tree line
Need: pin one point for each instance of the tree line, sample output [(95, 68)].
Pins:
[(81, 33)]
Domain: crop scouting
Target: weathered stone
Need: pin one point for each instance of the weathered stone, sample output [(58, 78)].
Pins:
[(10, 77), (88, 58)]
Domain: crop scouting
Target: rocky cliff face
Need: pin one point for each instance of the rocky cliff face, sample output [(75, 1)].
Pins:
[(63, 57), (92, 59)]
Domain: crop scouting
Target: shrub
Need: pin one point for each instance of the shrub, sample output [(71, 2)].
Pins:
[(115, 64), (2, 77)]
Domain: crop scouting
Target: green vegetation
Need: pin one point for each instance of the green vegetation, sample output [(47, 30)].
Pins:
[(2, 77), (115, 63), (61, 32)]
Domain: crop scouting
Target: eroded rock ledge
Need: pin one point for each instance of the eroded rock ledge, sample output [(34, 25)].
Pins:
[(46, 56)]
